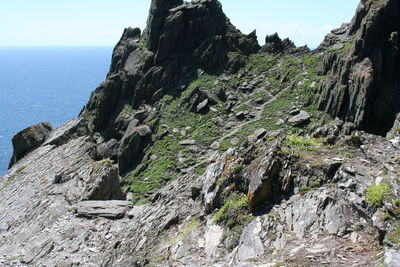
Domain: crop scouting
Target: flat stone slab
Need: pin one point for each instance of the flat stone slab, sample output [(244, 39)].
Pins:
[(302, 118), (111, 209), (187, 142)]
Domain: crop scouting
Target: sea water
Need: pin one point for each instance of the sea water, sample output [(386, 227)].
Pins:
[(45, 84)]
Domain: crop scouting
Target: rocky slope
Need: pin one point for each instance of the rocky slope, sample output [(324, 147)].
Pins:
[(202, 148)]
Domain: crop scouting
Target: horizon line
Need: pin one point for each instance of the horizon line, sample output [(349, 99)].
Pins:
[(67, 45)]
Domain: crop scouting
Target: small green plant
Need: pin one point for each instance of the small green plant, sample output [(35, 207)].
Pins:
[(302, 141), (376, 193), (394, 236), (397, 203), (303, 188), (200, 170), (348, 154), (314, 184), (273, 214), (233, 212), (385, 170), (238, 169), (107, 161), (126, 112)]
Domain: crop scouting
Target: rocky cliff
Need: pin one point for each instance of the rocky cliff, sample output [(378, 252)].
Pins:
[(202, 148), (364, 83)]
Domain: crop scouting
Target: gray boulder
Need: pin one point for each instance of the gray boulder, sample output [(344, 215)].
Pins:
[(132, 145), (202, 106), (29, 139), (105, 185), (302, 118), (251, 246), (392, 257), (108, 149)]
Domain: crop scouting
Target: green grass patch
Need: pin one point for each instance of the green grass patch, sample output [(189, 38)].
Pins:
[(238, 169), (233, 212), (393, 236), (262, 62), (303, 189), (303, 142), (314, 184), (126, 112), (376, 194)]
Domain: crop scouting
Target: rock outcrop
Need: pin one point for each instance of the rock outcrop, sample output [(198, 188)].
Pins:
[(29, 139), (362, 68), (275, 45)]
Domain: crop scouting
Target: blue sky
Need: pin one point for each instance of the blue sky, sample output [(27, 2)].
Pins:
[(101, 22)]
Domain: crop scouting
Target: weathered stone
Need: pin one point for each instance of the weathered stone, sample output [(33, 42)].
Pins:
[(202, 106), (294, 112), (212, 236), (275, 45), (132, 145), (141, 115), (159, 11), (112, 209), (395, 131), (392, 257), (258, 134), (250, 246), (108, 150), (187, 142), (302, 118), (29, 139), (104, 184), (240, 115), (264, 176), (259, 101)]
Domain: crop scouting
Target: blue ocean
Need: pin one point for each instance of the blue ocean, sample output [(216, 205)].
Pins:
[(45, 84)]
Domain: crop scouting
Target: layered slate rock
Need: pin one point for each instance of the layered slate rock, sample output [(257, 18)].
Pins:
[(29, 139), (364, 73), (112, 209)]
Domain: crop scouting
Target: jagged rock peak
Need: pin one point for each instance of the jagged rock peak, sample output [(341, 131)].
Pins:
[(180, 38), (159, 11), (275, 45), (177, 27)]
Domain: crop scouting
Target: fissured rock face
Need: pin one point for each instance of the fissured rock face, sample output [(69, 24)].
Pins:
[(364, 83), (159, 11), (179, 39)]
